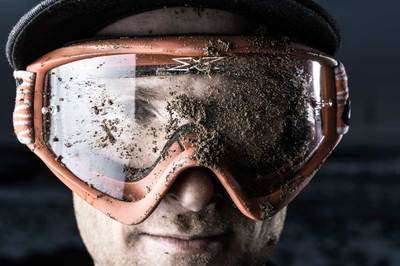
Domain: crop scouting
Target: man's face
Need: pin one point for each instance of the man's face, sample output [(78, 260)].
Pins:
[(195, 223)]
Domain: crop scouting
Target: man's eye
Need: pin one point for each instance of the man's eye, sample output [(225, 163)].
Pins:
[(144, 111)]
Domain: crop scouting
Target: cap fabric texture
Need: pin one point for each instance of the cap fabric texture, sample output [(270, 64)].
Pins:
[(53, 23)]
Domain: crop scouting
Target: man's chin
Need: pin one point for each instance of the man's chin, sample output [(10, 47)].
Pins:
[(181, 258)]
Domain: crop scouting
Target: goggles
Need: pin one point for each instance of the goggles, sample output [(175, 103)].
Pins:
[(117, 121)]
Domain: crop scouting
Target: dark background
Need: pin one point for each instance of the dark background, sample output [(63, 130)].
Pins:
[(349, 215)]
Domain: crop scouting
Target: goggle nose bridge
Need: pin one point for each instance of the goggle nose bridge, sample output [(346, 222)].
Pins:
[(230, 186)]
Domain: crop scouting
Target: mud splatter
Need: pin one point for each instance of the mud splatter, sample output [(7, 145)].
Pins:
[(256, 117), (216, 48)]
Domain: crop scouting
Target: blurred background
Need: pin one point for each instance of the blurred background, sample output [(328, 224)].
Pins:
[(349, 215)]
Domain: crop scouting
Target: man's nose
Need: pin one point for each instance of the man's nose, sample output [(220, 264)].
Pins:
[(194, 189)]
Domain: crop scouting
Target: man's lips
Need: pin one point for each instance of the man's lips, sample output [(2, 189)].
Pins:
[(185, 243)]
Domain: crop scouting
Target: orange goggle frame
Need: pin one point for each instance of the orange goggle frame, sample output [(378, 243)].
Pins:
[(28, 124)]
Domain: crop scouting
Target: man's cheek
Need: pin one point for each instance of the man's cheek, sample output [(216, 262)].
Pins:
[(102, 235), (257, 239)]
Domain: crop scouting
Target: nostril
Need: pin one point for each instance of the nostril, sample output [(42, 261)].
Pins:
[(194, 189)]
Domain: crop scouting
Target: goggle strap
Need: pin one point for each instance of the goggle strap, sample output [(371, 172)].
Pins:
[(23, 112), (342, 100)]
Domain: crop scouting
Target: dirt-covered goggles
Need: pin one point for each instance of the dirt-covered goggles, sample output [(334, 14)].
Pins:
[(118, 121)]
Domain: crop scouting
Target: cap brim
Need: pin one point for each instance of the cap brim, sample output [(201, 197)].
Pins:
[(52, 23)]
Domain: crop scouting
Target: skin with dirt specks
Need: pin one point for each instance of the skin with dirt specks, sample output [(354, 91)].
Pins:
[(111, 243), (187, 209)]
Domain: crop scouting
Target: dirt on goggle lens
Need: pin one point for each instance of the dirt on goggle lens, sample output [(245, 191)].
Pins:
[(109, 117)]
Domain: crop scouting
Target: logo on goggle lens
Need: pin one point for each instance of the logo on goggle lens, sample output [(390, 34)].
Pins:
[(200, 64)]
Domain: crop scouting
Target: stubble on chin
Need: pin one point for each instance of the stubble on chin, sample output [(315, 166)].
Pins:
[(112, 243)]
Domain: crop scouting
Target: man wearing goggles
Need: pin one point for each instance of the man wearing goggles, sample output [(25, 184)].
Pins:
[(184, 128)]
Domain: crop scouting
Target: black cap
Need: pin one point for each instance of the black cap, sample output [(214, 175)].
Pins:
[(53, 23)]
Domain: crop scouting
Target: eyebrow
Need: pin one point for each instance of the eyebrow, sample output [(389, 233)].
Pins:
[(161, 88), (147, 93), (155, 87)]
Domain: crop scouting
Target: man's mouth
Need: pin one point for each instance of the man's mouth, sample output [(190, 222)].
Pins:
[(186, 243)]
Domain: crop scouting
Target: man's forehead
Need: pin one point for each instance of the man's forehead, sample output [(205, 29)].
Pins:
[(180, 21)]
